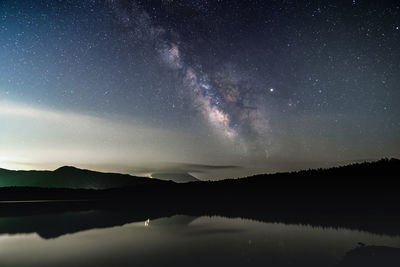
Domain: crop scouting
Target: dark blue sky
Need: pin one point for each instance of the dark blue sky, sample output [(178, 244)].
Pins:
[(264, 85)]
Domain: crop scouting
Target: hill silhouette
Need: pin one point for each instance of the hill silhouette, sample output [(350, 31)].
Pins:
[(379, 176), (71, 177), (376, 176)]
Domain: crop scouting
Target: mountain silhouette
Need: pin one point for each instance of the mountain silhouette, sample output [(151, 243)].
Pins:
[(381, 176), (71, 177), (175, 177)]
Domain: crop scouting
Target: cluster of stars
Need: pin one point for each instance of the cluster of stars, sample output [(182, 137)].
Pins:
[(252, 72)]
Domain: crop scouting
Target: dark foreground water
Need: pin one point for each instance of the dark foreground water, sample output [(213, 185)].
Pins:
[(104, 238)]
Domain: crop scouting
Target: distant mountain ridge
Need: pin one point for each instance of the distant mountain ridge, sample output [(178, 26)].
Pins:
[(72, 177), (371, 175)]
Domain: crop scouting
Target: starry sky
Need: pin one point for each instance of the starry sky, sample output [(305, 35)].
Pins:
[(213, 88)]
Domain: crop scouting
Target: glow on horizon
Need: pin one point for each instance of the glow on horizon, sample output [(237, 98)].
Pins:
[(45, 139), (11, 163), (37, 138)]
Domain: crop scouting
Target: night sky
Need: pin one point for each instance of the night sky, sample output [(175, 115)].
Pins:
[(214, 88)]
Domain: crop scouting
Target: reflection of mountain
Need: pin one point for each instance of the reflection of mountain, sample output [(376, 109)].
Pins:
[(372, 256), (175, 221), (54, 219), (175, 177), (71, 177), (52, 225)]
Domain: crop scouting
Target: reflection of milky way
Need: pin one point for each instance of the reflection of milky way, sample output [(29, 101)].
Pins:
[(220, 103)]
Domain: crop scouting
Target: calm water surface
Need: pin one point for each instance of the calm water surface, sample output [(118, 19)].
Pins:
[(181, 241)]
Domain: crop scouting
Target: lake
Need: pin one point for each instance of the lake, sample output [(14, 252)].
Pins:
[(104, 238)]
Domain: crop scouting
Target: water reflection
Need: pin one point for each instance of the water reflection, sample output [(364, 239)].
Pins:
[(127, 238), (371, 256)]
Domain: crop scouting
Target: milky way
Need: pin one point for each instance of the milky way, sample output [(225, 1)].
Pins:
[(216, 107), (259, 85)]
